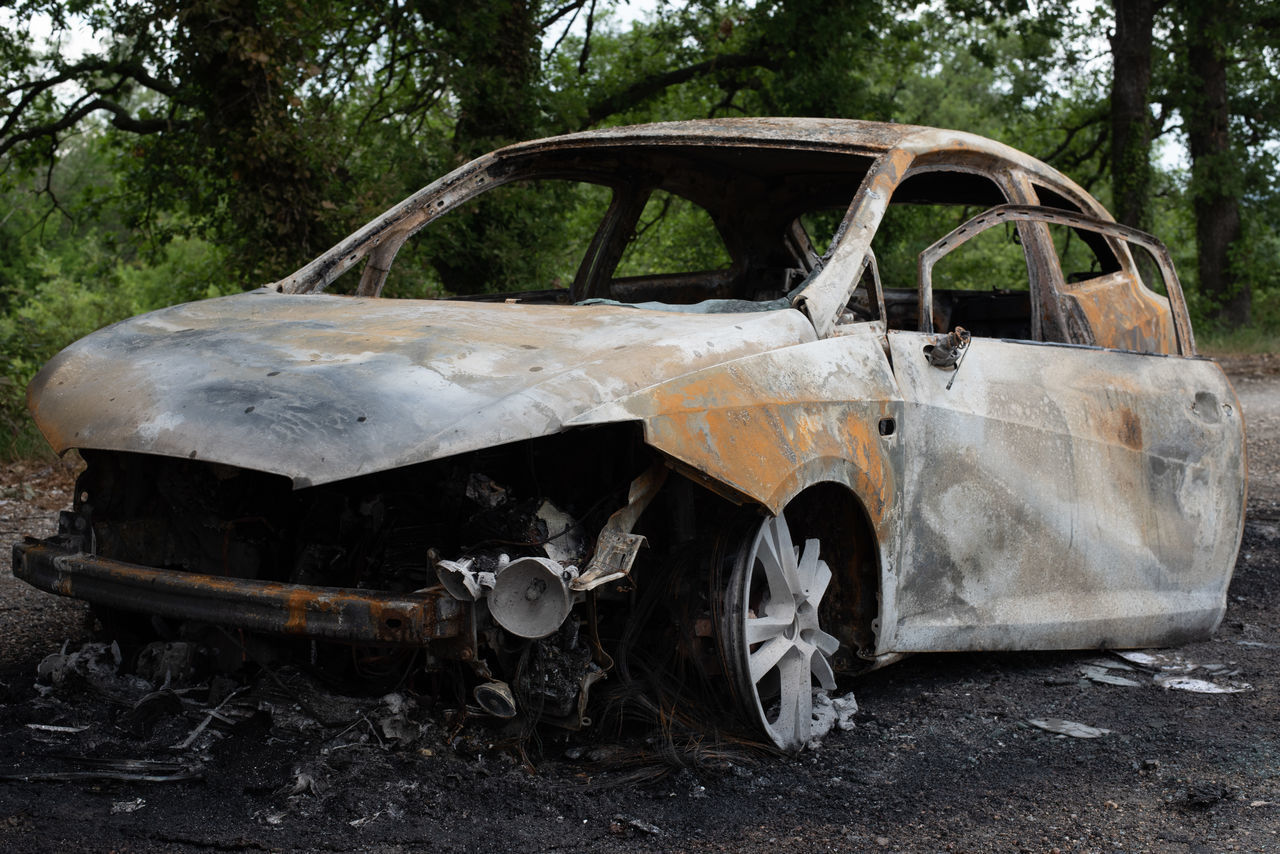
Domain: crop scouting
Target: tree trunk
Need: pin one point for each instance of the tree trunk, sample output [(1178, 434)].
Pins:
[(1215, 172), (497, 84), (1130, 117), (229, 53), (496, 48)]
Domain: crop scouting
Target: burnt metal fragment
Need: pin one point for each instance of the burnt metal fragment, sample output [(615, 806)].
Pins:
[(264, 606)]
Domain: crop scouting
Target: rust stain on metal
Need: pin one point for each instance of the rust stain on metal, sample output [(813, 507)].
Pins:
[(296, 605), (1076, 479), (324, 388), (1124, 315), (1108, 509), (1130, 433), (1133, 319), (770, 440), (321, 612)]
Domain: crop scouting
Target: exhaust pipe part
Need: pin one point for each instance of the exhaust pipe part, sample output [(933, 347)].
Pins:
[(531, 596), (496, 698), (462, 582)]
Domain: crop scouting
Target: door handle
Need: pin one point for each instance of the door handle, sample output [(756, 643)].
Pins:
[(946, 350)]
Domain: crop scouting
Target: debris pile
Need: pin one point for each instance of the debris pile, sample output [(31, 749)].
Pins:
[(1073, 729), (162, 722), (831, 713), (1167, 670), (163, 714)]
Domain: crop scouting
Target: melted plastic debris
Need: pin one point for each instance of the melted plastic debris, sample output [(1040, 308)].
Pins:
[(1162, 661), (622, 823), (96, 769), (168, 664), (1070, 728), (64, 730), (485, 492), (1106, 676), (96, 663), (1200, 686), (1171, 671), (831, 712), (127, 806), (564, 540)]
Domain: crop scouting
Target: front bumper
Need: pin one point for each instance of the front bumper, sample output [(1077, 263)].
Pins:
[(327, 613)]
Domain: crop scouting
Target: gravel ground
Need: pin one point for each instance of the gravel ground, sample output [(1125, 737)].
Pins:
[(31, 622), (942, 758), (1255, 379)]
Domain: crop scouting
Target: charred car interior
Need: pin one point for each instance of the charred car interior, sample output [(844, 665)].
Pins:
[(906, 390)]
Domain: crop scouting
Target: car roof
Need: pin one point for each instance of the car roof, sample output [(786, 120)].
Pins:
[(849, 136), (806, 133), (766, 148)]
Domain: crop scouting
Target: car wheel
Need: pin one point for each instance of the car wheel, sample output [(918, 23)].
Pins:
[(773, 645)]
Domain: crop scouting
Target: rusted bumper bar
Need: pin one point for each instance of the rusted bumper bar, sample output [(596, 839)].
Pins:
[(332, 613)]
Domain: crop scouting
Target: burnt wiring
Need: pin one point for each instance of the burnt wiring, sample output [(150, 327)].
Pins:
[(670, 679)]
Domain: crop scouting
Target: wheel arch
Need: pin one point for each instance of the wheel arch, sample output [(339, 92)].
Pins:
[(853, 514), (834, 513)]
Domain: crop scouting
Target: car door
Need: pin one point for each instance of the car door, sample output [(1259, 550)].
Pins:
[(1056, 495)]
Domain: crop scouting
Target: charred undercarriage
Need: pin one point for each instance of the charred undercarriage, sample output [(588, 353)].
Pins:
[(522, 574)]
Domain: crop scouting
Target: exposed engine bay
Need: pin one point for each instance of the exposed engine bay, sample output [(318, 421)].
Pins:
[(534, 537)]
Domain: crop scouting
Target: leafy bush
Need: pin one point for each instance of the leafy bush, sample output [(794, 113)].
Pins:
[(74, 289)]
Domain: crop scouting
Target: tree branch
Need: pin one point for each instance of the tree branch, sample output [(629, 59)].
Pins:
[(1072, 163), (586, 40), (642, 90), (575, 7), (127, 71), (121, 119), (572, 6), (1071, 135)]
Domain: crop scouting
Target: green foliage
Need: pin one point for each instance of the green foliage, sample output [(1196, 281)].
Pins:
[(77, 288), (207, 146), (992, 260), (1256, 338), (672, 236), (523, 236)]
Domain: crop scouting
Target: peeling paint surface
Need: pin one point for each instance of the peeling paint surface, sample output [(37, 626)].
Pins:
[(321, 388), (1124, 315), (1082, 489), (1064, 497), (771, 425)]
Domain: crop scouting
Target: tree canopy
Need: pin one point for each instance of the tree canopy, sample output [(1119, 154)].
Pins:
[(154, 151)]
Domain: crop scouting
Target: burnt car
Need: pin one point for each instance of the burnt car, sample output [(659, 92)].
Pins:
[(921, 393)]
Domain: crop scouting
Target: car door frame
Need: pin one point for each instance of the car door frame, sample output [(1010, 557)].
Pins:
[(1123, 587), (1001, 214)]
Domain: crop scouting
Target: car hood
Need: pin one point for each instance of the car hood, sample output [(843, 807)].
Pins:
[(320, 388)]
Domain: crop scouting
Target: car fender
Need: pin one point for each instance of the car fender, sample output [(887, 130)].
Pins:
[(766, 427)]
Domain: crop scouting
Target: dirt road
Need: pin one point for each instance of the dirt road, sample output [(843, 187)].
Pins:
[(943, 757)]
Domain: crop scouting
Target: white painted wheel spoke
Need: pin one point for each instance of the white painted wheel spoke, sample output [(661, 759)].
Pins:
[(807, 570), (778, 650), (795, 702), (767, 657), (764, 628), (825, 642), (771, 561), (822, 578), (780, 535), (822, 671)]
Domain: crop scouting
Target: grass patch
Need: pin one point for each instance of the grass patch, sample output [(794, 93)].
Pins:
[(22, 441), (1236, 342)]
